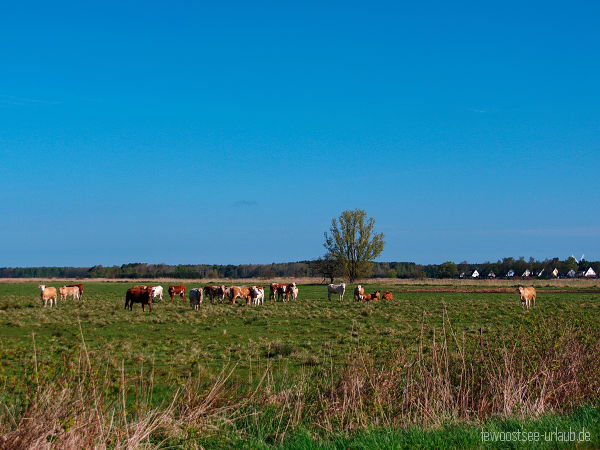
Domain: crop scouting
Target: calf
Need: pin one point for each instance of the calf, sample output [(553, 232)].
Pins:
[(359, 291), (66, 291), (339, 289), (48, 294), (138, 295), (388, 296), (257, 293), (196, 297), (215, 291), (80, 286), (177, 290), (527, 296), (239, 291)]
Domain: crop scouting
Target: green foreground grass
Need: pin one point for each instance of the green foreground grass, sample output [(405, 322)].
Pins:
[(310, 341)]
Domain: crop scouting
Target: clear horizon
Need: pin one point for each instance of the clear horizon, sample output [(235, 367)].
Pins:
[(235, 132)]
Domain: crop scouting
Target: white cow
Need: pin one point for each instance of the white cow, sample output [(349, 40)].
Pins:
[(157, 291), (339, 289), (196, 297), (257, 293), (293, 291)]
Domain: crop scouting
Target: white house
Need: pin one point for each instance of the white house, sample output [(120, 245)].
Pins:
[(526, 273), (555, 272), (571, 273), (491, 275), (510, 273), (590, 273), (475, 274)]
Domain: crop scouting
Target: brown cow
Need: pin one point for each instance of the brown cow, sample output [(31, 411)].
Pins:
[(80, 286), (48, 293), (177, 290), (239, 291), (138, 295), (527, 295), (292, 290), (375, 296), (388, 296), (215, 291)]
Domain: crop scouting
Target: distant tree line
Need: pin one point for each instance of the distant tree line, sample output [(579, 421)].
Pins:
[(325, 268)]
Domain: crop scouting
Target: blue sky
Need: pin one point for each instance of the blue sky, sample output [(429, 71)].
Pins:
[(189, 132)]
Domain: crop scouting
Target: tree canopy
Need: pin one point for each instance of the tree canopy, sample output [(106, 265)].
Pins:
[(353, 242)]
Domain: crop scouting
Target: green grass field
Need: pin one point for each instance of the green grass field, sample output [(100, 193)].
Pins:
[(311, 341)]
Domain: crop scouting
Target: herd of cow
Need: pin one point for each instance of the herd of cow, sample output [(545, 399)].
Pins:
[(254, 295)]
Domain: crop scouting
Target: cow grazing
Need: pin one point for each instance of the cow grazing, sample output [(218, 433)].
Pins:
[(234, 292), (80, 286), (359, 291), (138, 295), (527, 296), (177, 290), (282, 292), (367, 297), (48, 294), (215, 291), (257, 293), (157, 291), (66, 291), (388, 296), (339, 289), (196, 297)]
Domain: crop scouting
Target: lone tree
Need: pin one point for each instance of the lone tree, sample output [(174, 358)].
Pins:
[(353, 243)]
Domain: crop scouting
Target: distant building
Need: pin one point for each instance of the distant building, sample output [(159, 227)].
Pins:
[(590, 273), (555, 272), (491, 275), (541, 273), (510, 273), (475, 274), (571, 273), (462, 275), (526, 273)]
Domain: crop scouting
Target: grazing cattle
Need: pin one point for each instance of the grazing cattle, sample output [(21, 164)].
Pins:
[(157, 291), (138, 295), (359, 291), (527, 296), (388, 296), (367, 297), (80, 286), (257, 293), (375, 296), (177, 290), (66, 291), (234, 292), (196, 297), (339, 289), (48, 294), (215, 291)]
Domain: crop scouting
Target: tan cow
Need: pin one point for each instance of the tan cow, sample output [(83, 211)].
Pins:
[(67, 291), (48, 293), (527, 296)]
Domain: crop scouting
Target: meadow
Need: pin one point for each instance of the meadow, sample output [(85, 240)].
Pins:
[(307, 373)]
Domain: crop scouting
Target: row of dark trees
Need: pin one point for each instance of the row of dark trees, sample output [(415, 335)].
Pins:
[(326, 268)]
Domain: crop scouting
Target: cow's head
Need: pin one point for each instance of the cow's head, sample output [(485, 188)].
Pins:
[(42, 287), (521, 289)]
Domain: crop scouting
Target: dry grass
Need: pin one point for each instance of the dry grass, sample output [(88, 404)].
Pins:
[(450, 379)]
